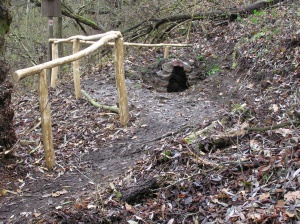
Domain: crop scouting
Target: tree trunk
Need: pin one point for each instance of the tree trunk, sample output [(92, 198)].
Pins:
[(7, 133)]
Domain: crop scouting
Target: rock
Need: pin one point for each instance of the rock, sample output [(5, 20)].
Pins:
[(168, 76)]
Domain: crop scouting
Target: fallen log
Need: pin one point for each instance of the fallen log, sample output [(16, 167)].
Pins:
[(136, 194), (114, 109), (210, 137)]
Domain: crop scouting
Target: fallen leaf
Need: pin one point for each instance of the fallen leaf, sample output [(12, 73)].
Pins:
[(132, 222), (36, 214), (112, 186), (292, 195), (3, 192), (58, 193), (280, 203), (188, 201), (275, 108), (128, 207), (296, 173), (291, 215), (91, 206), (26, 214), (264, 196), (284, 131), (118, 194), (264, 168), (171, 221)]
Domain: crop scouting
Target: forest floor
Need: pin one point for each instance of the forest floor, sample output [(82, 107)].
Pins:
[(148, 172)]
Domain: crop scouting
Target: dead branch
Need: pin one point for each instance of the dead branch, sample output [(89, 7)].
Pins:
[(210, 138), (273, 127), (166, 24), (231, 15), (114, 109)]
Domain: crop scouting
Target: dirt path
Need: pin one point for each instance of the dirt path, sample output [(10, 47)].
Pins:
[(91, 146)]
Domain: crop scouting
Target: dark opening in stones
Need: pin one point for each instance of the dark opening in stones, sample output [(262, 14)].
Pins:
[(169, 75), (178, 80)]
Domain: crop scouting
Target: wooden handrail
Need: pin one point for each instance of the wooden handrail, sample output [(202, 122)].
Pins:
[(85, 41), (23, 73), (81, 37)]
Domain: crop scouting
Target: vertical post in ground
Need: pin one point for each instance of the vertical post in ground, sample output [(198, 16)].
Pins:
[(167, 52), (46, 120), (54, 69), (120, 81), (76, 72), (50, 35)]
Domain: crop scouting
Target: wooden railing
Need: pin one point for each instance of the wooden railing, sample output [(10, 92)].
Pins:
[(102, 39), (96, 42)]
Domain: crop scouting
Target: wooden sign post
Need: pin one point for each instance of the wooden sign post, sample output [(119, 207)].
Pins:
[(50, 9)]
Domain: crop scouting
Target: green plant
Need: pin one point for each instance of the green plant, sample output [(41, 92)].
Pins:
[(234, 65), (256, 16), (200, 57), (213, 70), (276, 31), (259, 35), (238, 108), (214, 56), (259, 13), (166, 155), (239, 18), (241, 110), (159, 59)]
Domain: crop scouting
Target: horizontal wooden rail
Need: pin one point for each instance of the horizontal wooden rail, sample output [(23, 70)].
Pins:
[(81, 37), (23, 73), (82, 41)]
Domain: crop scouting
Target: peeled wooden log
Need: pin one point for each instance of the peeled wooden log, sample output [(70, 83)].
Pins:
[(114, 109)]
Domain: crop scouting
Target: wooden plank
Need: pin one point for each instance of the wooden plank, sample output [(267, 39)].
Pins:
[(76, 70), (23, 73), (54, 69), (120, 81), (46, 120)]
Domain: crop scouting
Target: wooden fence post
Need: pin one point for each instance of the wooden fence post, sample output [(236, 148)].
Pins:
[(167, 52), (46, 120), (76, 72), (120, 81), (54, 69)]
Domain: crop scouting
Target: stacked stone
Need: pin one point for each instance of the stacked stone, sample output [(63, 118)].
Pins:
[(159, 79)]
